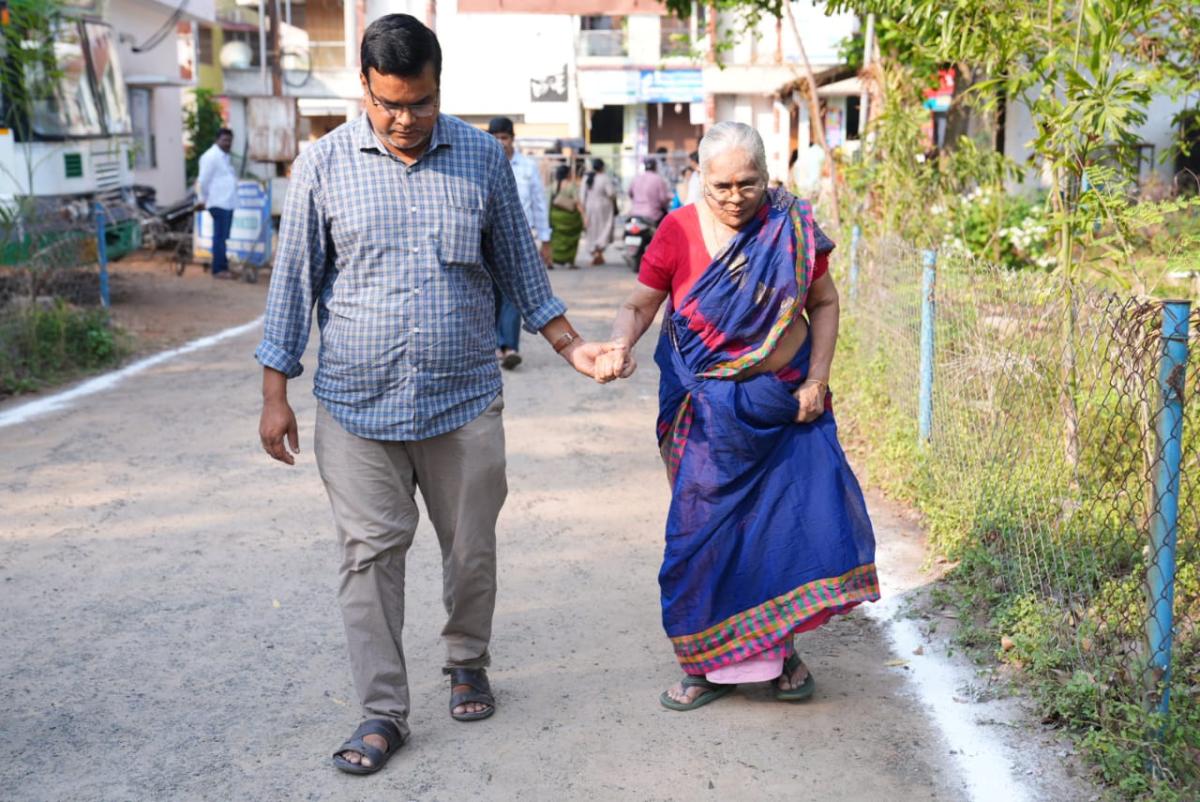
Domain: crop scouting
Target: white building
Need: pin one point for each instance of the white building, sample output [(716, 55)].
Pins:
[(150, 58)]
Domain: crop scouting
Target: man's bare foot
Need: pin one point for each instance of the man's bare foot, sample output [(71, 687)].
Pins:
[(468, 707), (377, 741)]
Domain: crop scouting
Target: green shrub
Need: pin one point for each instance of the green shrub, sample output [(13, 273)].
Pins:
[(39, 345)]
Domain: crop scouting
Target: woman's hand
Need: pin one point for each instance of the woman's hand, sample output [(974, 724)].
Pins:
[(811, 396)]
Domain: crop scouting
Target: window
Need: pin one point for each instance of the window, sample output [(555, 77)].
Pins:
[(140, 111), (205, 40), (248, 38)]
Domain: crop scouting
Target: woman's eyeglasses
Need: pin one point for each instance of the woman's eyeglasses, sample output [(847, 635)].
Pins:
[(419, 110), (722, 191)]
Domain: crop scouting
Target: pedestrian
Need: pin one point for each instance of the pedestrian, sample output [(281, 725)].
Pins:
[(767, 533), (216, 191), (566, 219), (599, 204), (395, 227), (693, 185), (533, 205), (649, 194)]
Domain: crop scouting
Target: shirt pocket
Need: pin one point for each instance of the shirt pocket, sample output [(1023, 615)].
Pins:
[(459, 236)]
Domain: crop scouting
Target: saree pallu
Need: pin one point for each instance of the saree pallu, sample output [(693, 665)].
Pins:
[(566, 228), (767, 533)]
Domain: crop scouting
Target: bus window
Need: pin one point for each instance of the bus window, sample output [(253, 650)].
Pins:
[(71, 110), (102, 48)]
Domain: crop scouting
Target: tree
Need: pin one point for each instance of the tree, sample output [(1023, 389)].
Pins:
[(202, 120)]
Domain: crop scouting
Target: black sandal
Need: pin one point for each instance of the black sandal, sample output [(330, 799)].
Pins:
[(480, 693), (378, 757)]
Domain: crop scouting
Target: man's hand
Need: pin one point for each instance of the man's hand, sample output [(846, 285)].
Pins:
[(277, 421), (617, 362), (811, 396), (546, 253)]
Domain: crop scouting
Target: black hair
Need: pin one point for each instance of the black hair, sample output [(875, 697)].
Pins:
[(561, 173), (223, 131), (695, 156), (400, 44), (597, 166), (650, 163)]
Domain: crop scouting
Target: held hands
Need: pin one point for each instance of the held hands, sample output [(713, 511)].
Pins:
[(811, 396), (601, 361), (617, 362)]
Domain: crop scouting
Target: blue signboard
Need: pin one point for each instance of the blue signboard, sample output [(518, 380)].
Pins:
[(671, 86), (249, 235)]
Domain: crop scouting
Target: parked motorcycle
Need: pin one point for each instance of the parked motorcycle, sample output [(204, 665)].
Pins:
[(638, 233)]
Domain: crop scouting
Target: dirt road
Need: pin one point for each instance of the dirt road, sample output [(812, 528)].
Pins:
[(169, 627)]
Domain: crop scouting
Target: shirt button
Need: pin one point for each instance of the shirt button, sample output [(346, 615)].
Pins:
[(416, 248), (417, 290), (414, 210), (416, 329)]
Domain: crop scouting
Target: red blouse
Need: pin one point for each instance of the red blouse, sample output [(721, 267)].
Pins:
[(676, 257)]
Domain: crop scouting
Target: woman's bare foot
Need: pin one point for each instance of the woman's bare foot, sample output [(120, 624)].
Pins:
[(685, 696), (792, 681)]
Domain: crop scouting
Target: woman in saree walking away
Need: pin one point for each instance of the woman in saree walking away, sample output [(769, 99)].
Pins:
[(599, 200), (767, 533), (566, 219)]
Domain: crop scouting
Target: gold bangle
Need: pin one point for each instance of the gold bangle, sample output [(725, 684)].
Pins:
[(824, 384)]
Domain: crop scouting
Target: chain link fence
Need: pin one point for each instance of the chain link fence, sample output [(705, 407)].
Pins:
[(1055, 450), (53, 323)]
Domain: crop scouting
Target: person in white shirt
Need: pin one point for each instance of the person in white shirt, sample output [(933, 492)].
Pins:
[(216, 190), (693, 187), (537, 213)]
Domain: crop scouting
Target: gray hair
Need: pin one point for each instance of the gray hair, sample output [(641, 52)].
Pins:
[(730, 136)]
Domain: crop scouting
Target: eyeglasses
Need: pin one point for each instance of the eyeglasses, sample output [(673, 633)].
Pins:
[(419, 110), (724, 191)]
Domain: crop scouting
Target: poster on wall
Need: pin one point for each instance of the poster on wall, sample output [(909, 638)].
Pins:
[(550, 88)]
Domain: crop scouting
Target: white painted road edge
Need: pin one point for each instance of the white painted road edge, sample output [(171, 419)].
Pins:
[(982, 760), (53, 403)]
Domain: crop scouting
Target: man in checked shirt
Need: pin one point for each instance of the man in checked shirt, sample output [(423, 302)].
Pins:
[(395, 227)]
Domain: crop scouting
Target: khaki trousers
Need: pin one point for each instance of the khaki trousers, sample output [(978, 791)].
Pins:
[(372, 487)]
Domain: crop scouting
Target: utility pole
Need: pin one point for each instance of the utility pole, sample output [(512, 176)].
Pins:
[(818, 122), (276, 66)]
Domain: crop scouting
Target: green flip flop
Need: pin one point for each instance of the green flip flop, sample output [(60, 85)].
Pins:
[(806, 688), (712, 692)]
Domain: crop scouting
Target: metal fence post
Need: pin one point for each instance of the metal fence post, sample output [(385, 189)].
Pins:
[(102, 255), (1163, 524), (855, 238), (928, 311)]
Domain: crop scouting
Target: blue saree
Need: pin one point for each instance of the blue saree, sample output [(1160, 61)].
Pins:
[(767, 533)]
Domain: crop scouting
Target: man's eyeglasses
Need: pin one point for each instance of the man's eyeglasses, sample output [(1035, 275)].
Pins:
[(724, 191), (419, 110)]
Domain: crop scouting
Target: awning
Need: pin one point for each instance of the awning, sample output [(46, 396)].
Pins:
[(849, 87), (154, 80)]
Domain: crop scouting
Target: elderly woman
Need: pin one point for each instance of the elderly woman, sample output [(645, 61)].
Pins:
[(767, 532)]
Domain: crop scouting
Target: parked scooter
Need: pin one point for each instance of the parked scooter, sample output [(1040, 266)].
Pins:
[(638, 233)]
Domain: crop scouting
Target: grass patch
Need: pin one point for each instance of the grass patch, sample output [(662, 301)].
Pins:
[(45, 345)]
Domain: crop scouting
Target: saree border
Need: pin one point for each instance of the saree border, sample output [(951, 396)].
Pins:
[(768, 624)]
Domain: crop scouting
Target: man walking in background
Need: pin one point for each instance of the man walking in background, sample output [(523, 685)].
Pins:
[(649, 194), (395, 228), (216, 191), (537, 215)]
